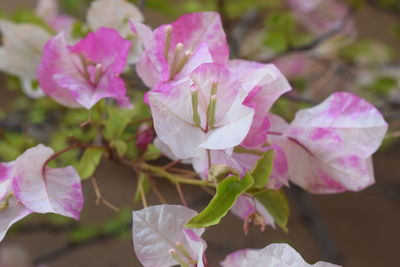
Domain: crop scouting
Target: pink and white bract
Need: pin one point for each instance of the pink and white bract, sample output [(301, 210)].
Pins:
[(329, 147), (281, 255), (205, 111), (160, 238), (174, 50), (27, 186), (80, 75)]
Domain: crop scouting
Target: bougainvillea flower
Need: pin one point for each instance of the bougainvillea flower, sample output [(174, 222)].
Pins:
[(191, 40), (252, 211), (204, 111), (320, 16), (20, 53), (112, 14), (264, 84), (80, 75), (281, 255), (27, 185), (329, 147), (115, 14), (160, 238)]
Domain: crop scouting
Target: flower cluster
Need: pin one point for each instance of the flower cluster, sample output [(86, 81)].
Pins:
[(207, 110)]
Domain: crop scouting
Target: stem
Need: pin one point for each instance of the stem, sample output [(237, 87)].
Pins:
[(181, 195), (159, 171), (59, 153), (143, 196)]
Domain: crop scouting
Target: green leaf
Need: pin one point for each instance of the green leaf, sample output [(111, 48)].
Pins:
[(143, 182), (152, 153), (262, 170), (227, 192), (277, 205), (89, 161), (120, 146), (83, 233), (117, 121)]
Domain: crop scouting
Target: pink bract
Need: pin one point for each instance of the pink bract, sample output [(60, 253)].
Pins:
[(27, 186), (329, 147), (174, 112), (80, 75), (175, 49)]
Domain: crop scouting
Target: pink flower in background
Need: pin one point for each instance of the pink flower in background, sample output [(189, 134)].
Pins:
[(27, 185), (281, 255), (174, 50), (320, 16), (160, 238), (329, 147), (204, 111), (48, 10), (80, 75)]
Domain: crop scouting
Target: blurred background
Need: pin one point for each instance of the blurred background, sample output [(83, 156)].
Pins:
[(357, 51)]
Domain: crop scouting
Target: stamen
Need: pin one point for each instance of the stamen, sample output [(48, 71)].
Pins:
[(188, 53), (168, 31), (195, 104), (178, 51), (212, 106), (5, 202), (85, 64), (175, 256), (99, 73)]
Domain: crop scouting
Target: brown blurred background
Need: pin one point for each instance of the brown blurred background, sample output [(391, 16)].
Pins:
[(355, 229)]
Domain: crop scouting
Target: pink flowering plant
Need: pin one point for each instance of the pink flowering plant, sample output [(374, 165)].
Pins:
[(179, 103)]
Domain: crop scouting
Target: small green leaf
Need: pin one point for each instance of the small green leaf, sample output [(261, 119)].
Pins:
[(117, 121), (83, 233), (262, 170), (120, 146), (89, 161), (277, 205), (143, 182), (227, 192), (152, 153)]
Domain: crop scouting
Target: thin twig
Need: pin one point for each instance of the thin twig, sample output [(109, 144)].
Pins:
[(181, 195), (99, 196), (156, 192)]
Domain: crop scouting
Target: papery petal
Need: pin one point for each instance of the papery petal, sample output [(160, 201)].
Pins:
[(272, 255), (29, 90), (112, 14), (61, 71), (191, 29), (157, 229), (105, 46), (329, 146), (56, 60), (246, 206), (197, 245), (264, 84), (172, 114), (46, 190), (22, 48), (47, 9), (14, 212)]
